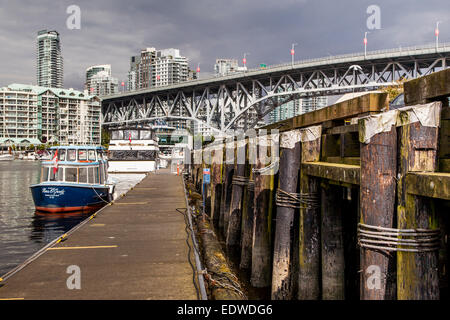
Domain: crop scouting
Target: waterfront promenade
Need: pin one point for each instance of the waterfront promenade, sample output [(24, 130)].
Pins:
[(133, 249)]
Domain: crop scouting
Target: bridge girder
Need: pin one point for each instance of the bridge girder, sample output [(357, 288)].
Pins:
[(242, 102)]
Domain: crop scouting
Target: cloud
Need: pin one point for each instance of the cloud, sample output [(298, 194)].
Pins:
[(112, 31)]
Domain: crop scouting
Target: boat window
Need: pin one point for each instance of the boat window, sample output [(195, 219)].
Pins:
[(82, 155), (56, 175), (91, 175), (92, 155), (61, 154), (117, 135), (44, 176), (102, 175), (82, 178), (133, 134), (71, 155), (71, 174), (146, 135)]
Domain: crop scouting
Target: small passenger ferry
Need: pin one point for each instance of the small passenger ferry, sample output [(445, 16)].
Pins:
[(75, 179), (133, 150)]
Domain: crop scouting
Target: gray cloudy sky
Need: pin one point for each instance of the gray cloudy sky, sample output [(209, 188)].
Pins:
[(113, 30)]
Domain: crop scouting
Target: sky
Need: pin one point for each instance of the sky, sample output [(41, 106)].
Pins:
[(111, 31)]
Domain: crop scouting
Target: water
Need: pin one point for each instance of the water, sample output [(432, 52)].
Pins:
[(22, 230)]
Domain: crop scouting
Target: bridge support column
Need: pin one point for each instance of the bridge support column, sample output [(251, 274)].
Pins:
[(226, 187)]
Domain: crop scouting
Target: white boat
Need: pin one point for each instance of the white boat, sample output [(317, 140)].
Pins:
[(133, 150), (6, 157)]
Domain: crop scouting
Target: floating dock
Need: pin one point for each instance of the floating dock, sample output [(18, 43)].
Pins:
[(135, 248)]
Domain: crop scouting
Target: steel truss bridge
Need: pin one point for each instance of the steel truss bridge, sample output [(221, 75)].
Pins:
[(242, 100)]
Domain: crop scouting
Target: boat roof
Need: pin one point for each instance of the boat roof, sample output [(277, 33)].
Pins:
[(79, 147)]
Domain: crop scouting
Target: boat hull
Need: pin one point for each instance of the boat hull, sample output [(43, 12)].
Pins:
[(68, 198)]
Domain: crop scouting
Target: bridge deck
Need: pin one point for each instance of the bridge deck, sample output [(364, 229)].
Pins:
[(134, 249)]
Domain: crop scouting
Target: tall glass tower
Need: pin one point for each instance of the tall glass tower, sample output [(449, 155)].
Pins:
[(49, 60)]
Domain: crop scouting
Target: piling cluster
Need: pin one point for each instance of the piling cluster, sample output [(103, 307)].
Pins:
[(346, 202)]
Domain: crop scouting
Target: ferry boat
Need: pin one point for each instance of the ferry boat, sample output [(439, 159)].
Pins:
[(75, 179), (133, 150)]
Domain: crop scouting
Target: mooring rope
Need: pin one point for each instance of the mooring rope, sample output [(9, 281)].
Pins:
[(251, 185), (240, 180), (267, 168), (404, 240), (296, 200)]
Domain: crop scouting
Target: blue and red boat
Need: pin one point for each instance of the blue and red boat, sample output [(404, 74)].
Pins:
[(75, 179)]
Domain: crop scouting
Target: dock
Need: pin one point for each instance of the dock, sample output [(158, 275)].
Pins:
[(135, 249)]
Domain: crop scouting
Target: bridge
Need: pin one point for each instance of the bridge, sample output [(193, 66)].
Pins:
[(242, 100)]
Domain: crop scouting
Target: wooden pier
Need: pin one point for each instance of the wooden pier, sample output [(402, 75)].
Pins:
[(359, 207), (133, 249)]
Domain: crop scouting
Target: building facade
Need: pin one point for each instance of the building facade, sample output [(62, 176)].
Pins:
[(99, 81), (223, 67), (296, 107), (49, 60), (49, 115)]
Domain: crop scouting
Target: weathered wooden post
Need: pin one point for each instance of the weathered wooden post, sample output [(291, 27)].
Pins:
[(216, 183), (227, 184), (377, 203), (309, 285), (247, 207), (417, 264), (333, 264), (288, 203), (238, 182), (263, 205)]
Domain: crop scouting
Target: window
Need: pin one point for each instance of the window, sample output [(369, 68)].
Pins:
[(92, 155), (61, 154), (44, 174), (92, 175), (82, 155), (71, 174), (56, 176), (82, 178), (71, 155)]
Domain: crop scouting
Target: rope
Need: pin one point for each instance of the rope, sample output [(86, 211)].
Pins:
[(251, 185), (296, 200), (403, 240), (240, 180), (263, 170)]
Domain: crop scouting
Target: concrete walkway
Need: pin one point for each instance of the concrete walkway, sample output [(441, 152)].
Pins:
[(133, 249)]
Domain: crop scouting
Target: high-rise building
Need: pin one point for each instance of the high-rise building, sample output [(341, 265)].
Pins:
[(154, 68), (296, 107), (99, 81), (49, 60), (168, 68), (44, 114), (224, 67)]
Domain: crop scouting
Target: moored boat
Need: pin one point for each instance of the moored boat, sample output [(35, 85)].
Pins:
[(6, 157), (75, 179), (133, 150)]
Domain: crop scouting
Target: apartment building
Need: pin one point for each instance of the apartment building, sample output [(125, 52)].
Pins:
[(64, 116), (99, 81)]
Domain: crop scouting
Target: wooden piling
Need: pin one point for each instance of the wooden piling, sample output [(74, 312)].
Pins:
[(216, 184), (309, 285), (377, 208), (247, 211), (417, 272), (227, 177), (234, 220), (333, 264), (263, 203), (283, 275)]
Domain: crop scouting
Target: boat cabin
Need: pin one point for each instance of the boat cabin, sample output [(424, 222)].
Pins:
[(76, 164)]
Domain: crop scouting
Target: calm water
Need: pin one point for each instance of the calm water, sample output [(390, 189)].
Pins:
[(22, 232)]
